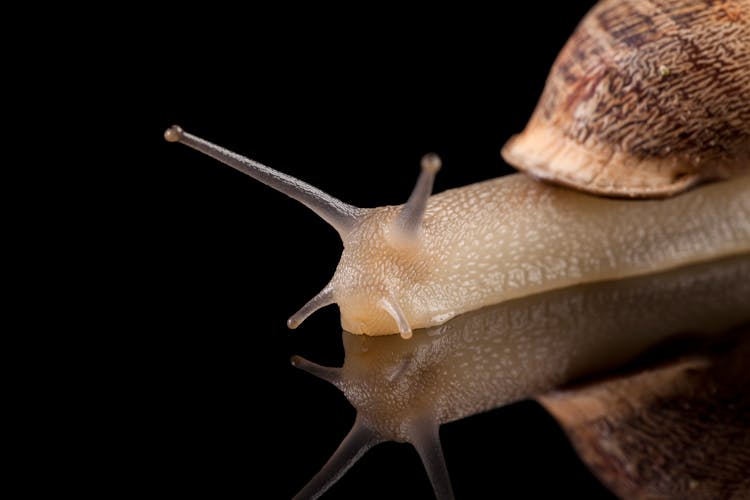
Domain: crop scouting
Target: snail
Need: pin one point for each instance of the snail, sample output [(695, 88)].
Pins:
[(527, 347), (646, 100), (420, 264)]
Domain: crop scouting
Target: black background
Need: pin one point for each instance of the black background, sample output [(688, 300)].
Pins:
[(347, 101)]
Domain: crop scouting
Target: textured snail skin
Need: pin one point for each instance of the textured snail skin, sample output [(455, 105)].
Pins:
[(403, 391), (419, 264), (647, 99), (513, 236)]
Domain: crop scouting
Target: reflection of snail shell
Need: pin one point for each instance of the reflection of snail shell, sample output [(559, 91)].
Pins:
[(647, 98)]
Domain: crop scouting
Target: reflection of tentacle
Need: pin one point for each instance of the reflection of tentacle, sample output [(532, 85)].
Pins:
[(327, 373), (425, 436), (355, 444)]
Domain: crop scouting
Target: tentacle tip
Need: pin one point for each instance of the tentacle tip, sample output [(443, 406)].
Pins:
[(303, 364), (431, 163), (406, 334), (173, 133), (293, 322)]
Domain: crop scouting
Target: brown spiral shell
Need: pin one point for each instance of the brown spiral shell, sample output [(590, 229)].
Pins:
[(646, 99)]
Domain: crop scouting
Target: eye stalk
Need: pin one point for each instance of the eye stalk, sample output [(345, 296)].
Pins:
[(410, 218), (335, 212)]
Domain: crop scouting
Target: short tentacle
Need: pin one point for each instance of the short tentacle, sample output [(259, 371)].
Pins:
[(322, 299), (338, 214), (395, 311)]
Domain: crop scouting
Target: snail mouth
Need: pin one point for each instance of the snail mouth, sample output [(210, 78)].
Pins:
[(383, 316)]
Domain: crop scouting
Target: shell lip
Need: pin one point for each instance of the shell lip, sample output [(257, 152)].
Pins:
[(547, 155)]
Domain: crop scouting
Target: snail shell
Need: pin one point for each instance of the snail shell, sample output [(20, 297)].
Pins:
[(647, 98)]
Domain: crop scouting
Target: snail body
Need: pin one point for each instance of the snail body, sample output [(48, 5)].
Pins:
[(485, 359), (493, 241), (612, 120), (419, 264)]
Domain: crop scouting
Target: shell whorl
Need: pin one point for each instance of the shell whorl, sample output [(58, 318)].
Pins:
[(647, 98)]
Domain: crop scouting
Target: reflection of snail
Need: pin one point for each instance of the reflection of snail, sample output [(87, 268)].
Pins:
[(646, 99), (488, 358)]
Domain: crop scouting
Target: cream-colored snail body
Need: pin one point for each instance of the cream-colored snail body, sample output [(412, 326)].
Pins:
[(419, 264), (403, 391)]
